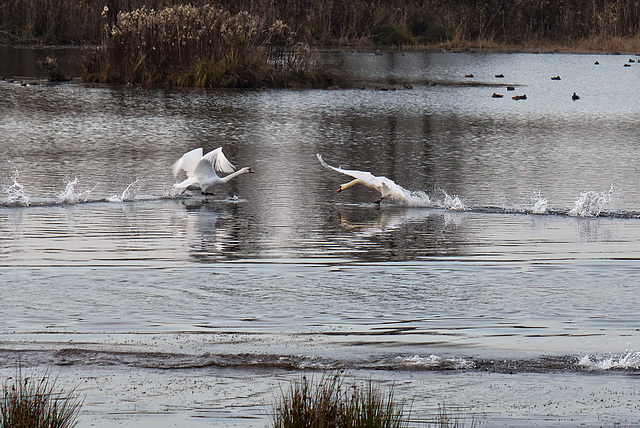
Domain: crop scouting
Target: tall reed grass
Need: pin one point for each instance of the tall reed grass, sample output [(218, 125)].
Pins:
[(356, 22), (202, 46), (29, 402), (328, 403)]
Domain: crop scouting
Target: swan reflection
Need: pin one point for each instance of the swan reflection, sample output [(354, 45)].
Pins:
[(403, 233), (210, 230)]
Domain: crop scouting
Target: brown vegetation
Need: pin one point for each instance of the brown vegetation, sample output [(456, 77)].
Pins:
[(201, 46), (29, 402), (328, 403), (600, 25)]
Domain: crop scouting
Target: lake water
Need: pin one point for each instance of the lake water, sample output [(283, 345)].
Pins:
[(508, 292)]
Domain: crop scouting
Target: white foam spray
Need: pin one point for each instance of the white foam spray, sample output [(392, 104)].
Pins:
[(70, 196), (630, 360), (130, 193), (434, 362), (453, 203), (591, 203), (417, 199), (15, 192), (538, 203)]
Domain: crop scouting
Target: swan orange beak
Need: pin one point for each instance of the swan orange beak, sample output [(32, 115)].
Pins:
[(251, 171), (339, 189)]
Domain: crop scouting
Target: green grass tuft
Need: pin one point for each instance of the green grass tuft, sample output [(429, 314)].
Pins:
[(29, 402), (327, 403)]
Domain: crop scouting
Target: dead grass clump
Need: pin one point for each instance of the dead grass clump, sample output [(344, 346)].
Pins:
[(28, 402), (328, 404), (195, 46)]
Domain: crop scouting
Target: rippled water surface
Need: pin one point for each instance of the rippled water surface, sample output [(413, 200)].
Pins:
[(508, 291)]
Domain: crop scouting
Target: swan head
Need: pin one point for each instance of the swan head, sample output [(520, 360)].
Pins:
[(349, 184)]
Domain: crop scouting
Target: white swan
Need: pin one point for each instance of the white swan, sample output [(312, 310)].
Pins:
[(201, 170), (386, 187)]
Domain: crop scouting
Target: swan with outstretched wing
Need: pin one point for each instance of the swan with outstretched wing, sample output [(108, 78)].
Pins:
[(202, 170), (386, 187)]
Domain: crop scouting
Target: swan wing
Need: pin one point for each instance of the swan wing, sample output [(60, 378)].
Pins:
[(367, 177), (219, 162), (203, 171), (187, 162)]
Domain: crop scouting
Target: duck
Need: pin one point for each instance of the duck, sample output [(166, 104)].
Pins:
[(520, 97), (468, 75), (202, 170), (496, 95), (556, 78), (499, 76), (387, 187), (510, 88), (575, 96)]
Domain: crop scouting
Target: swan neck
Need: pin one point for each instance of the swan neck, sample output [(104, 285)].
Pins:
[(235, 174), (351, 183)]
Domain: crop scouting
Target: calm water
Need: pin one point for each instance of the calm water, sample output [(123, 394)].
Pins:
[(509, 294)]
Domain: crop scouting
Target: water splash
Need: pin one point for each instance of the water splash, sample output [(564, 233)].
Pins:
[(591, 203), (130, 193), (69, 194), (538, 203), (435, 362), (629, 360), (417, 199), (453, 203), (15, 193)]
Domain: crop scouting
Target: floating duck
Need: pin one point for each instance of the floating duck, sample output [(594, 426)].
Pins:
[(468, 75), (555, 78), (499, 75), (596, 63), (632, 60), (575, 96), (520, 97), (496, 95), (627, 65)]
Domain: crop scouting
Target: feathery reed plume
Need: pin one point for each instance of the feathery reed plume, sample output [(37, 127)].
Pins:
[(201, 46)]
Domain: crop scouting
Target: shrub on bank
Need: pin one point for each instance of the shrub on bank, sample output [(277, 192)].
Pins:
[(201, 46), (28, 402), (328, 404)]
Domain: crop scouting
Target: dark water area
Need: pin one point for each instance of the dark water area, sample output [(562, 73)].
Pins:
[(23, 61), (504, 285)]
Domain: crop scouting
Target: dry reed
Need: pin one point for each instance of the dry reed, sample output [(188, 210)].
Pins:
[(29, 402), (327, 403), (201, 46), (356, 22)]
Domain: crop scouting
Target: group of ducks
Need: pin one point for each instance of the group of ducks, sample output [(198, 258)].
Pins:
[(523, 96), (202, 174)]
